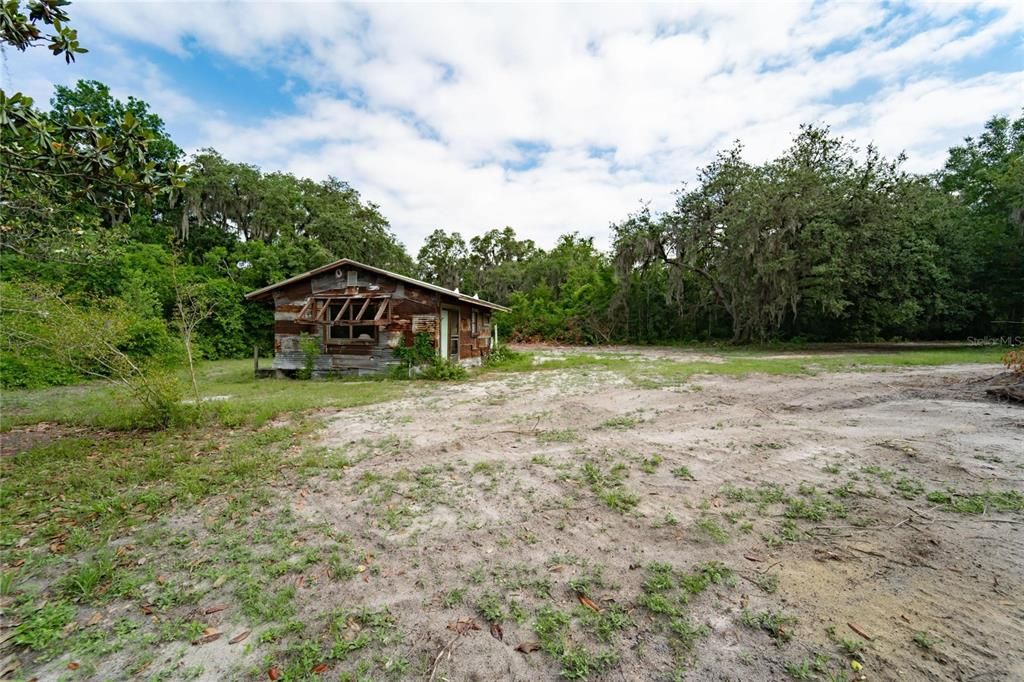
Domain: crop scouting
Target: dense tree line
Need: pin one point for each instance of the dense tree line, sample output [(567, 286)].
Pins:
[(101, 211), (122, 221), (826, 242)]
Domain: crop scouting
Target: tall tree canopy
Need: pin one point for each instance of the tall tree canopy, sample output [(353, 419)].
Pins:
[(985, 176), (822, 242), (240, 200)]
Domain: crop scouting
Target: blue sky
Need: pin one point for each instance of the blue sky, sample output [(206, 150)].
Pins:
[(549, 118)]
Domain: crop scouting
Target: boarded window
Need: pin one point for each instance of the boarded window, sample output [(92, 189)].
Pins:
[(347, 333), (424, 324)]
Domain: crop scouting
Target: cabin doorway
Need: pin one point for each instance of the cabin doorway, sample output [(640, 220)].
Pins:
[(448, 347)]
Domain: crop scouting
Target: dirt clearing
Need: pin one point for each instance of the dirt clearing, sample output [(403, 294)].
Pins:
[(579, 524), (825, 500)]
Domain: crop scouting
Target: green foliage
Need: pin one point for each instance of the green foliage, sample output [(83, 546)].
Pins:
[(442, 369), (925, 640), (609, 487), (324, 219), (684, 473), (22, 31), (562, 294), (92, 338), (85, 582), (74, 177), (489, 607), (442, 259), (711, 528), (420, 352), (864, 249), (310, 347), (778, 625), (578, 663), (503, 357), (984, 177), (43, 628), (34, 370), (978, 503), (800, 671)]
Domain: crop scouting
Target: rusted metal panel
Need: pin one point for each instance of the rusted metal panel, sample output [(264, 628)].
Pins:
[(474, 345), (424, 324)]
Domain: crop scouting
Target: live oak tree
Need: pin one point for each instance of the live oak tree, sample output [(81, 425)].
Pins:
[(443, 259), (330, 216), (985, 176), (822, 242)]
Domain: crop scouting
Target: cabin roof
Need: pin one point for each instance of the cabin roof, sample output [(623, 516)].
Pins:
[(472, 300)]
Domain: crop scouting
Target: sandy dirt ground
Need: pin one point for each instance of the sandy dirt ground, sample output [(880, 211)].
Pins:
[(517, 527), (507, 454)]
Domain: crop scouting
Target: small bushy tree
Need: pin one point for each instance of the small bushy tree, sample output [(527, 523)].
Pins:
[(420, 352), (309, 344), (87, 337)]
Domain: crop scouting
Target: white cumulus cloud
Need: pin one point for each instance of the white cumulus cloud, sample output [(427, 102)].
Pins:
[(561, 117)]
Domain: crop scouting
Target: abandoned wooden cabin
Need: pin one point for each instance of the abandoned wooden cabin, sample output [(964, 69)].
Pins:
[(360, 314)]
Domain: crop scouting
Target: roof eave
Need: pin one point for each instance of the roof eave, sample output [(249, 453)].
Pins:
[(266, 291)]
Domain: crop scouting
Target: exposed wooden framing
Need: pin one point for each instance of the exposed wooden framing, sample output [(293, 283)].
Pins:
[(321, 315), (302, 313), (361, 311), (316, 310), (342, 311)]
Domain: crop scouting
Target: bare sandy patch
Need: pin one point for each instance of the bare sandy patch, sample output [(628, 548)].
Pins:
[(490, 481)]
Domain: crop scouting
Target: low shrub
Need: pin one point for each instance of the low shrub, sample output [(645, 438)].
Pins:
[(503, 356), (444, 370), (1014, 361), (420, 352)]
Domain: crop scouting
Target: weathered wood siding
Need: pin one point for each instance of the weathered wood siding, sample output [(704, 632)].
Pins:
[(413, 310), (474, 347)]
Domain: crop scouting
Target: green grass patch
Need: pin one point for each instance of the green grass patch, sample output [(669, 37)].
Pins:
[(778, 625), (577, 661), (108, 484), (557, 436), (712, 529), (245, 400), (42, 628), (684, 473), (744, 361), (977, 503), (609, 486), (650, 464), (622, 423), (925, 640), (666, 593), (814, 508)]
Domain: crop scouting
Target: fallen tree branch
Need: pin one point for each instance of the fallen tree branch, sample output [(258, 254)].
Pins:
[(449, 647), (860, 631)]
